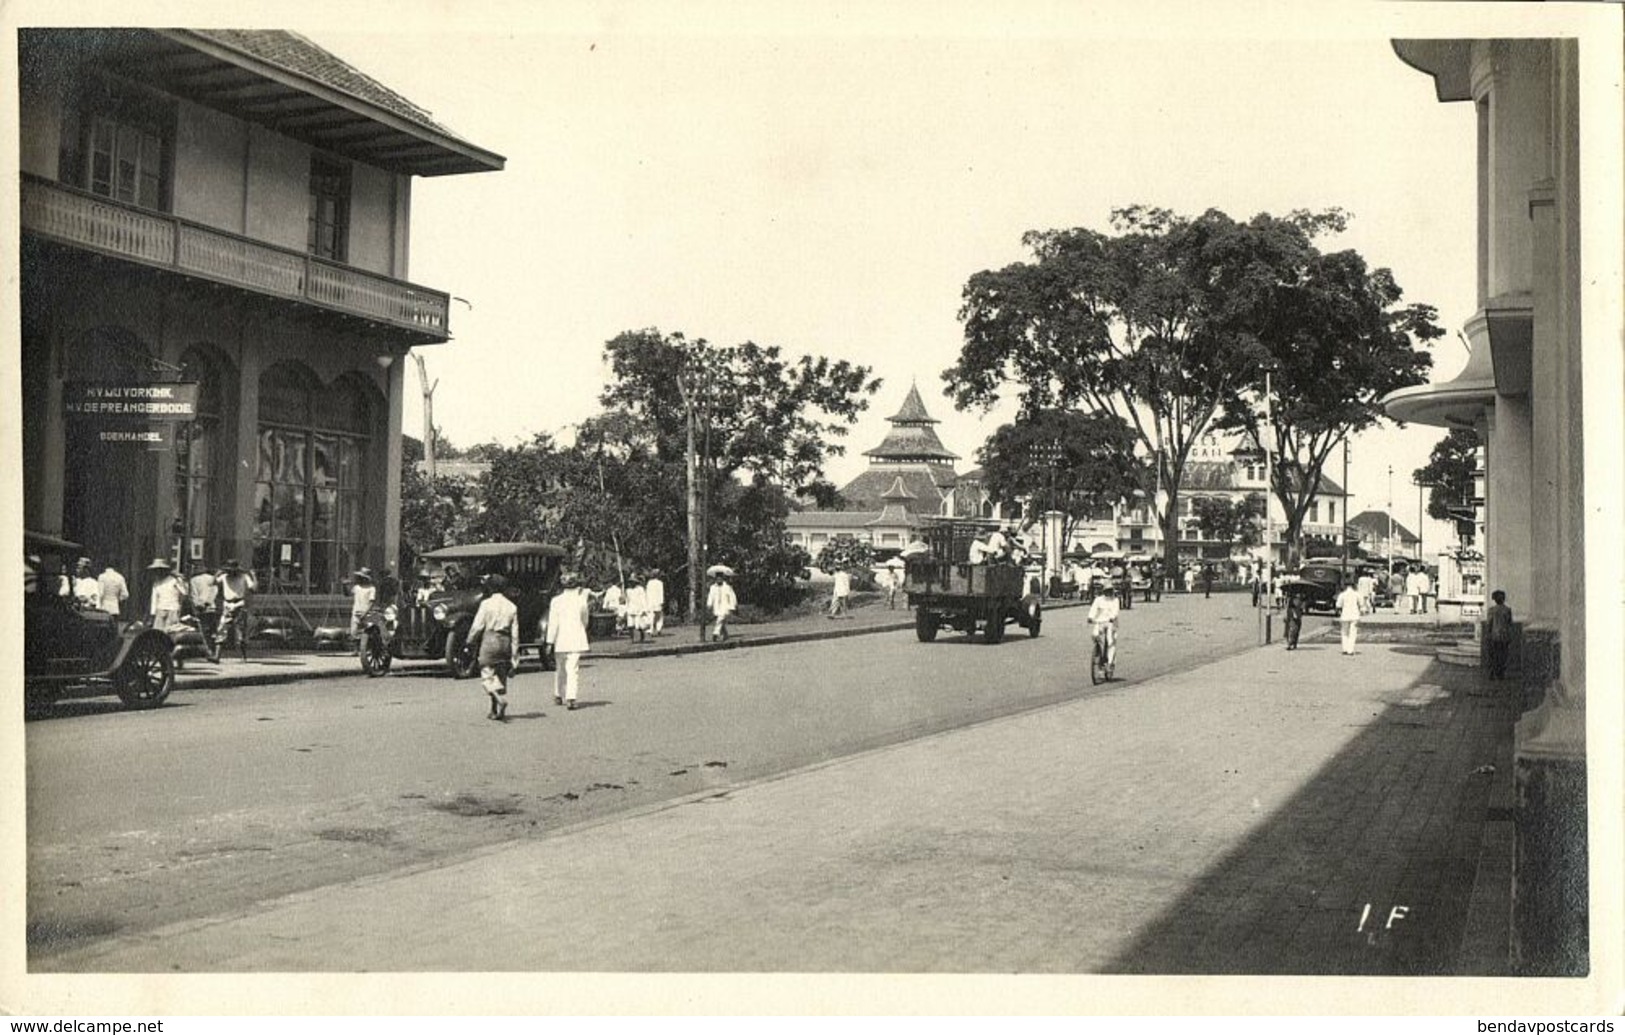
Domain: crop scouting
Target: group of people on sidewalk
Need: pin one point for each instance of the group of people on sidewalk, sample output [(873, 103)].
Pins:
[(211, 602), (638, 603)]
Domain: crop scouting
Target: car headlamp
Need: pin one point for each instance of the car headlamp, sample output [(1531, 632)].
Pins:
[(439, 612)]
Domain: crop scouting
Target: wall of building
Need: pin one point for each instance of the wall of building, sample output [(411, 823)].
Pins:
[(211, 153), (372, 222), (39, 119)]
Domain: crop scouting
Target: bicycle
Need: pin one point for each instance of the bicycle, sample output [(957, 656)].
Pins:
[(1101, 665)]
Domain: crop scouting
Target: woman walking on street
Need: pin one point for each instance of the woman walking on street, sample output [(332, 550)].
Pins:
[(496, 624)]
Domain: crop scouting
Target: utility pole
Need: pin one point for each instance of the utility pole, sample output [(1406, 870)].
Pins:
[(686, 388), (428, 415), (1346, 495)]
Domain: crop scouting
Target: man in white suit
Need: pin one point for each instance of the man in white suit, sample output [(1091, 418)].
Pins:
[(567, 634)]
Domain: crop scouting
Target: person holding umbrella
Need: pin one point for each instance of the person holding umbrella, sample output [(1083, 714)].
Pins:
[(720, 601)]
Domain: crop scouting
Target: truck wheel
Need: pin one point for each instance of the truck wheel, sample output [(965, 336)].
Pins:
[(925, 626), (994, 632), (147, 675), (462, 663), (1034, 622)]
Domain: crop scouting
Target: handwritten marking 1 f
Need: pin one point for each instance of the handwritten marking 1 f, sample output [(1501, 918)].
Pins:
[(1394, 915)]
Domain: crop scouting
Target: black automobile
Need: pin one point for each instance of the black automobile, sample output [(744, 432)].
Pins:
[(438, 627), (67, 646), (1317, 583)]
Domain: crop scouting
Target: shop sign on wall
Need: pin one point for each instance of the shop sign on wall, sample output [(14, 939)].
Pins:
[(131, 414)]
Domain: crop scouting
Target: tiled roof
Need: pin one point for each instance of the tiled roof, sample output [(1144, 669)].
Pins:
[(927, 482), (911, 441), (898, 491), (1373, 524), (913, 411), (829, 518), (295, 53)]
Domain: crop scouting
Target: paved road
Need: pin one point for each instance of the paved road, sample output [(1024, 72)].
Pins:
[(231, 797)]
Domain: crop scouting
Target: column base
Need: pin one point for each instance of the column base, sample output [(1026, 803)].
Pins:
[(1550, 891)]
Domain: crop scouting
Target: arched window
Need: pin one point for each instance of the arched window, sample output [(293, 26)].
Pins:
[(197, 459), (310, 487)]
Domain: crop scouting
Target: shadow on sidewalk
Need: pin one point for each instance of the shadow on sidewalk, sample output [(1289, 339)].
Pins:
[(1370, 868)]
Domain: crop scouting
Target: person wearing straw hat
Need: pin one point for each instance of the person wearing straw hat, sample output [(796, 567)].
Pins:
[(363, 593), (720, 601), (567, 618), (236, 587), (168, 594), (496, 628)]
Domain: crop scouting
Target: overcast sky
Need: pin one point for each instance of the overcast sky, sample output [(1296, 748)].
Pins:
[(829, 186)]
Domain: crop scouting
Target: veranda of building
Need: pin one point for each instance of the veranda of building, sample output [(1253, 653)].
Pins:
[(230, 208)]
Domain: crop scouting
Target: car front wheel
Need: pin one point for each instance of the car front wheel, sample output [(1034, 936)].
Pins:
[(147, 675)]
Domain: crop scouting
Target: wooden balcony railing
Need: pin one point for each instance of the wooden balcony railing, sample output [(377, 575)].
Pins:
[(154, 239)]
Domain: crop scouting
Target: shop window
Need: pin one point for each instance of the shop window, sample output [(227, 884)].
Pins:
[(197, 459), (310, 486), (329, 224), (117, 142)]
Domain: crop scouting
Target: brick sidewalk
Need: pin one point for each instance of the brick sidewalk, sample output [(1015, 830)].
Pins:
[(1232, 819)]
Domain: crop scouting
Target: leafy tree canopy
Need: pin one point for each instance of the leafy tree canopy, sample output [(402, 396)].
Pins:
[(845, 553), (1450, 469), (763, 414), (1078, 463)]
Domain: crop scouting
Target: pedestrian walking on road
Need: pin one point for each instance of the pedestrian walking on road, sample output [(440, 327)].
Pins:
[(722, 603), (496, 627), (567, 618), (1207, 582), (1424, 587), (837, 597), (1498, 634), (1367, 588), (1397, 587), (655, 590), (112, 591), (1294, 620), (1350, 606)]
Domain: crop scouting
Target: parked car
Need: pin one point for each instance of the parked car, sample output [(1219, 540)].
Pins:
[(438, 627), (66, 646)]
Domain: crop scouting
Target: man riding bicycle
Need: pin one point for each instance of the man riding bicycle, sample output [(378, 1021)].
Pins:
[(1103, 612)]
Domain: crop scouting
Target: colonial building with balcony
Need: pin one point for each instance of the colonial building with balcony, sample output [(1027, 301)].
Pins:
[(215, 298)]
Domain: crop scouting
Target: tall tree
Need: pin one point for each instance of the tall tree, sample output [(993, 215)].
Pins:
[(1231, 522), (747, 412), (1336, 338), (1077, 463), (1450, 470), (1148, 323)]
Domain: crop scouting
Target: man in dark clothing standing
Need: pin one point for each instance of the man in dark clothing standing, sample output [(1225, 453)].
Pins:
[(1207, 582), (1498, 634)]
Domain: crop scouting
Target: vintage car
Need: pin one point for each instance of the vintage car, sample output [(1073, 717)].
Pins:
[(946, 590), (438, 627), (66, 646), (1317, 584)]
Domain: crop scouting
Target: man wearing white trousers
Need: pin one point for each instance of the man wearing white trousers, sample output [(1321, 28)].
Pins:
[(1350, 605), (567, 634), (655, 590)]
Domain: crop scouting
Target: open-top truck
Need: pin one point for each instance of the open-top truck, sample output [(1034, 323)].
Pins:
[(946, 590)]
